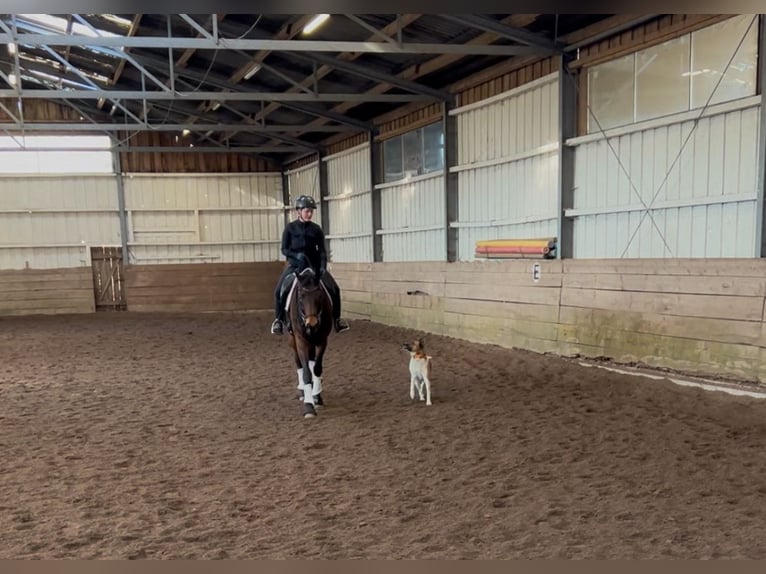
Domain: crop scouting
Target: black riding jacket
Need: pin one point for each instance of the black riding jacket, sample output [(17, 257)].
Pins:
[(304, 237)]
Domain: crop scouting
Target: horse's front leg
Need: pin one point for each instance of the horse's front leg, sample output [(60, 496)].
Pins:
[(305, 378), (317, 367)]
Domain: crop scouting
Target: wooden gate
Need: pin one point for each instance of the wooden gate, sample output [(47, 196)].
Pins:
[(108, 278)]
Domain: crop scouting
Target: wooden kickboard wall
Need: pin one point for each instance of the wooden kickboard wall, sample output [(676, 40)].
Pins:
[(46, 291), (202, 287), (694, 315)]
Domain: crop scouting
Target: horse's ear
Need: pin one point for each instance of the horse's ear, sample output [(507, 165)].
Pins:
[(306, 276)]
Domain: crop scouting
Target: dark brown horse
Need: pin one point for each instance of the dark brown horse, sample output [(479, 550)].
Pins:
[(310, 314)]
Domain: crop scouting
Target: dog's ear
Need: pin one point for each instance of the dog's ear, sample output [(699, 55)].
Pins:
[(406, 347)]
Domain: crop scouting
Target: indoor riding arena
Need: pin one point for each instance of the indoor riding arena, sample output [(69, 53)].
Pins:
[(565, 210)]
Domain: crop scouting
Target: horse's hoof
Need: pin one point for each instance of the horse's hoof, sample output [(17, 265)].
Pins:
[(318, 400), (308, 410)]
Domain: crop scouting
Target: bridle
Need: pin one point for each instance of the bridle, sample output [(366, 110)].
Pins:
[(301, 313)]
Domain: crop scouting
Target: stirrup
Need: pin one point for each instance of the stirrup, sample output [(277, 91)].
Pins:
[(276, 327)]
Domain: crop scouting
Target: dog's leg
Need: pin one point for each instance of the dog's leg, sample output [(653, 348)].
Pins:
[(413, 380), (427, 383), (420, 388)]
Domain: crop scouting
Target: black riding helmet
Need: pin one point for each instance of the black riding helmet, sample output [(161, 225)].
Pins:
[(305, 201)]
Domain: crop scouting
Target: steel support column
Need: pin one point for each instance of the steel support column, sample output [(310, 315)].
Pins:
[(324, 204), (377, 218), (760, 228), (122, 212), (567, 129), (286, 194), (452, 201)]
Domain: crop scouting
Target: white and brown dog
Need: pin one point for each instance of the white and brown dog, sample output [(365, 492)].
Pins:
[(420, 370)]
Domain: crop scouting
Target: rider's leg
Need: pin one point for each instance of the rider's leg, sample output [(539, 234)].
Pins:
[(334, 290), (279, 303)]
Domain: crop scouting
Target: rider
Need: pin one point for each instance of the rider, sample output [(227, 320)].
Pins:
[(303, 244)]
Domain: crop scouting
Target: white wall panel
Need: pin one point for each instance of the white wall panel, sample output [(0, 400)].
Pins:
[(176, 218), (702, 200), (413, 219), (508, 162), (52, 221), (349, 202)]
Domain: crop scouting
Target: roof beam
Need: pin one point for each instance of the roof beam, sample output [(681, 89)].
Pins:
[(433, 64), (283, 138), (545, 45), (401, 22), (375, 32), (611, 31), (158, 127), (131, 32), (173, 149), (234, 96), (273, 45), (286, 32), (213, 79), (328, 115), (370, 74)]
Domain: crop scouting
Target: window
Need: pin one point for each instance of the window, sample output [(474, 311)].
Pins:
[(711, 49), (662, 79), (611, 89), (29, 160), (676, 76), (433, 148), (416, 152), (393, 166)]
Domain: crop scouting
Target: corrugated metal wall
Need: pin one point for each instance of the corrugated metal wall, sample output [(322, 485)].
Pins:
[(508, 165), (349, 199), (49, 222), (705, 207), (305, 181), (222, 218), (413, 219)]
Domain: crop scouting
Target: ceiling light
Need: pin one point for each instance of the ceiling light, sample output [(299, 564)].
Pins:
[(185, 132), (252, 71), (12, 48), (315, 23), (215, 105), (101, 102)]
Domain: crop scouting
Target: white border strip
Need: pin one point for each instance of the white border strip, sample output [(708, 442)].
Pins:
[(508, 94), (541, 150), (405, 182), (185, 175), (682, 382), (312, 165), (349, 151), (672, 204), (726, 107)]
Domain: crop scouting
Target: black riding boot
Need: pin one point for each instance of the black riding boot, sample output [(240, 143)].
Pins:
[(332, 287), (277, 327)]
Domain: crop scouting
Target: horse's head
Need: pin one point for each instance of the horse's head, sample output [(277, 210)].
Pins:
[(312, 302)]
